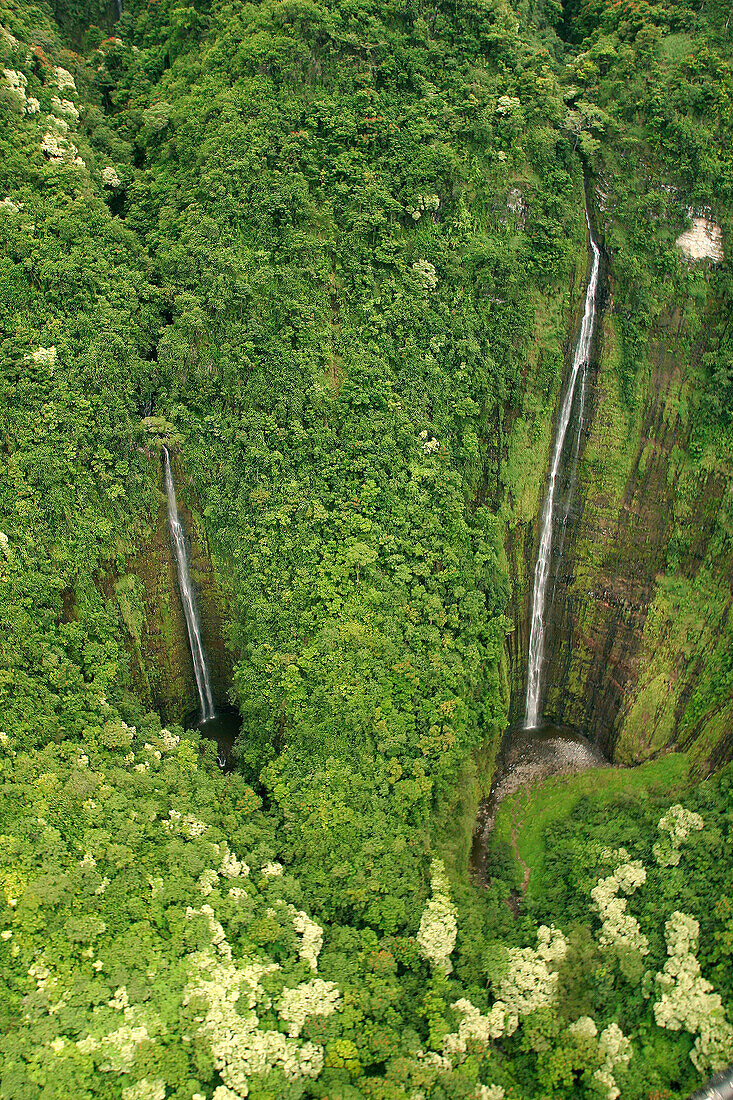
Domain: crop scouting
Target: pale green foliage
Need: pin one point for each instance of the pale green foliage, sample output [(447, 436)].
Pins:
[(425, 274), (619, 929), (675, 827), (477, 1027), (687, 999), (436, 936), (614, 1050), (531, 980)]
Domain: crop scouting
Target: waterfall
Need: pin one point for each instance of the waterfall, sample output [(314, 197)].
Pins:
[(178, 541), (542, 569)]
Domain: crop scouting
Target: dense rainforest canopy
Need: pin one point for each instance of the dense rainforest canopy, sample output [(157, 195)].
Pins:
[(331, 255)]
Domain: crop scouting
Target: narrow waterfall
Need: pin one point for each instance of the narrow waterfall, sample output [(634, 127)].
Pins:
[(542, 569), (178, 541)]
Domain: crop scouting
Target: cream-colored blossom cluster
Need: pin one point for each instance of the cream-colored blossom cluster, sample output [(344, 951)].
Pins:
[(218, 935), (615, 1050), (476, 1027), (687, 999), (17, 83), (609, 1050), (63, 79), (56, 145), (240, 1048), (272, 870), (313, 998), (531, 980), (110, 177), (207, 881), (675, 827), (311, 940), (168, 740), (192, 827), (230, 867), (425, 274), (186, 824), (507, 105), (490, 1092), (233, 998), (43, 356), (438, 930), (64, 107), (619, 928), (116, 1050), (429, 446), (423, 204), (225, 995), (529, 983), (10, 206), (583, 1028), (145, 1090)]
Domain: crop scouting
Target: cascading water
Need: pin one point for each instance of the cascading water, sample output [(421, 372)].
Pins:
[(178, 541), (542, 569)]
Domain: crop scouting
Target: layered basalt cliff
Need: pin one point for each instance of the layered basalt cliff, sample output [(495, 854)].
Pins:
[(638, 644), (615, 546)]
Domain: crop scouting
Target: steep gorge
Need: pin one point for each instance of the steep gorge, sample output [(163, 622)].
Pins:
[(642, 594)]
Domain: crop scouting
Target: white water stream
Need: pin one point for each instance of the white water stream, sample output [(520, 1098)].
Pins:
[(178, 541), (542, 569)]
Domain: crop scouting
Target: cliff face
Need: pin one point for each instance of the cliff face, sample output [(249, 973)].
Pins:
[(150, 608), (529, 448), (638, 644), (615, 548)]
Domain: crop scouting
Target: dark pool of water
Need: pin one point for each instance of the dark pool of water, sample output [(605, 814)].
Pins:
[(526, 757), (223, 728)]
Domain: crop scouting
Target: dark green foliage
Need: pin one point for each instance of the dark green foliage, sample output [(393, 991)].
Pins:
[(311, 247)]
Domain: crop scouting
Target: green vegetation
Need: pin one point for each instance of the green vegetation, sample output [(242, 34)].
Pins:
[(330, 254), (526, 818)]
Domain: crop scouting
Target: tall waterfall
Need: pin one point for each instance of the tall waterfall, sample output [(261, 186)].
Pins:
[(542, 569), (178, 541)]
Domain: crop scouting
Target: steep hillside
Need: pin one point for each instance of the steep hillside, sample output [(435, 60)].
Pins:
[(332, 256), (640, 646)]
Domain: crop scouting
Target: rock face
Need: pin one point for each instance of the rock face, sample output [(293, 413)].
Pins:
[(150, 606), (638, 630), (615, 547), (704, 241)]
